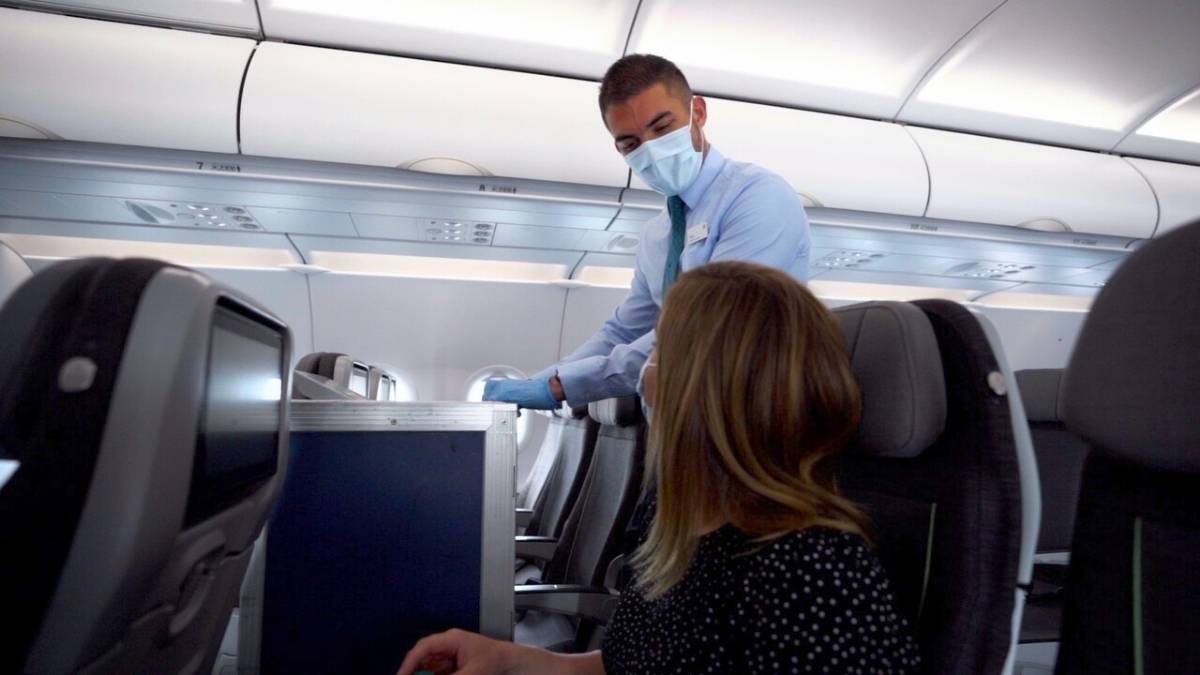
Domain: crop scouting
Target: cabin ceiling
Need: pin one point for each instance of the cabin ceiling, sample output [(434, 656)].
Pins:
[(1107, 75)]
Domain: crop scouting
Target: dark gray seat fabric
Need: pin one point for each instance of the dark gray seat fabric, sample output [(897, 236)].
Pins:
[(935, 464), (592, 534), (575, 441), (1060, 455), (1132, 391), (125, 532)]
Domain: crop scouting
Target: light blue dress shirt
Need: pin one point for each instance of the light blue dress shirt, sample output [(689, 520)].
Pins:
[(745, 212)]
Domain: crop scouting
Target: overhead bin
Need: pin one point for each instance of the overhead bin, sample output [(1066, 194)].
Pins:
[(323, 104), (1177, 187), (861, 57), (224, 16), (832, 161), (571, 38), (1073, 72), (85, 80), (1038, 187)]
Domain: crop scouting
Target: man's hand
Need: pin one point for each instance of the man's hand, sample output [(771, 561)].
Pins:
[(532, 394)]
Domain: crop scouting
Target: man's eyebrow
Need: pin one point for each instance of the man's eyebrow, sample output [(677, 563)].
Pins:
[(649, 125), (658, 118)]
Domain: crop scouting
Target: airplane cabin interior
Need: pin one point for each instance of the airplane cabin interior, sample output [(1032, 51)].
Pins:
[(260, 259)]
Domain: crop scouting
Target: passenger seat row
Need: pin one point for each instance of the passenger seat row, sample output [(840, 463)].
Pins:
[(334, 376), (944, 464)]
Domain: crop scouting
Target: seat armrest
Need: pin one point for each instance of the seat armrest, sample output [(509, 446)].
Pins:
[(524, 517), (613, 574), (586, 602), (535, 548), (1057, 558)]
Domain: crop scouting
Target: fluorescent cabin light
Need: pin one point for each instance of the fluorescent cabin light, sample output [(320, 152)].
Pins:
[(590, 24), (438, 268), (604, 275), (1011, 300), (862, 291), (1179, 122), (1017, 94), (54, 247)]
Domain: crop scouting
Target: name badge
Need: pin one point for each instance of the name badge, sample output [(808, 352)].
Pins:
[(697, 233)]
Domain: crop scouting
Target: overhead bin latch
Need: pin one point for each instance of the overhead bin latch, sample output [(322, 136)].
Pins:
[(452, 166), (306, 269), (1045, 225)]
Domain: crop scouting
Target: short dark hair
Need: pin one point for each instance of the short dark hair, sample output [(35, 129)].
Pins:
[(635, 73)]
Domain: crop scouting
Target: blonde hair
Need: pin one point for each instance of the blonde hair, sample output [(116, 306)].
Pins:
[(753, 400)]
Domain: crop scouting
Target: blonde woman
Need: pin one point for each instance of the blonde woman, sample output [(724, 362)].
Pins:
[(751, 562)]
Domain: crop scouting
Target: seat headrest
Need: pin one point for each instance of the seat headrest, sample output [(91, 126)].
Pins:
[(1133, 384), (625, 411), (308, 363), (1040, 393), (895, 357)]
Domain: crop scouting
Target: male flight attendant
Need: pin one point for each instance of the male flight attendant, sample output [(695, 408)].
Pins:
[(717, 209)]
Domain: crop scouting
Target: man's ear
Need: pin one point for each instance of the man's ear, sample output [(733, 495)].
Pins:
[(699, 111)]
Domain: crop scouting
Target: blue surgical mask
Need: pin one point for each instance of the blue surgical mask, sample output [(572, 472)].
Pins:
[(668, 164)]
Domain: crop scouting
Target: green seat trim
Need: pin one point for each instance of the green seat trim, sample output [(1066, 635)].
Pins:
[(1138, 645), (928, 559)]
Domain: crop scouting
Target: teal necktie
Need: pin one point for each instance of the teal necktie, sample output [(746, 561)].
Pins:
[(677, 210)]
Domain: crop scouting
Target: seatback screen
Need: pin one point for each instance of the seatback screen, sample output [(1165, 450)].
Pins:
[(238, 444), (358, 380)]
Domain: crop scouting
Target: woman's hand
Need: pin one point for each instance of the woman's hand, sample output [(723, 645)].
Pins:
[(468, 653), (463, 653)]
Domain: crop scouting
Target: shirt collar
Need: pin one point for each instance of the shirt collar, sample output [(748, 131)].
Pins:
[(713, 163)]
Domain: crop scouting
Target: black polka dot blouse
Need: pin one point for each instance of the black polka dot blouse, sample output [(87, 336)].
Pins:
[(814, 601)]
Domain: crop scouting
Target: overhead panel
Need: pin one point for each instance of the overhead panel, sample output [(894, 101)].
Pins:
[(1173, 133), (831, 161), (1072, 72), (860, 57), (81, 79), (989, 180), (330, 105), (570, 37), (1177, 187), (225, 16)]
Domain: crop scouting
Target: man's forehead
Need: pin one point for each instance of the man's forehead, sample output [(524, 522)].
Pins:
[(642, 108)]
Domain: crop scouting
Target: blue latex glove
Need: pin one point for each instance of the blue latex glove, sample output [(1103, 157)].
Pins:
[(532, 394)]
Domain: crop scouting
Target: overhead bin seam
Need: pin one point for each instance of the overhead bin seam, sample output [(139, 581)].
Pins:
[(1157, 203), (262, 28), (241, 95), (632, 26), (928, 173), (942, 59)]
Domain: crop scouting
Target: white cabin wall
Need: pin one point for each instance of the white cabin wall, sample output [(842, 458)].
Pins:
[(1036, 338), (587, 310), (437, 332), (1032, 338), (282, 292)]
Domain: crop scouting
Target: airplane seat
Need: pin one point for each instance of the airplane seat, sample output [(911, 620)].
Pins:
[(13, 271), (1132, 391), (559, 611), (567, 450), (323, 376), (934, 463), (1060, 455), (142, 409), (562, 463)]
